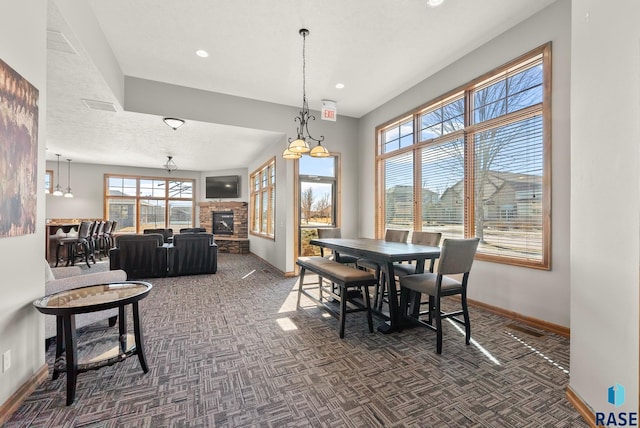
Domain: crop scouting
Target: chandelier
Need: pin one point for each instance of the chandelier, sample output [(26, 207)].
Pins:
[(300, 145)]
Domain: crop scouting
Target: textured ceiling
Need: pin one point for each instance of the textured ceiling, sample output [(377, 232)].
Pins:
[(376, 48)]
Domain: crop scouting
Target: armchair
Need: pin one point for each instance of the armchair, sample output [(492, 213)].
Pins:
[(65, 278), (193, 253), (140, 256)]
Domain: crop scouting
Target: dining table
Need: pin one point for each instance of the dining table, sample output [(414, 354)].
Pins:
[(385, 253)]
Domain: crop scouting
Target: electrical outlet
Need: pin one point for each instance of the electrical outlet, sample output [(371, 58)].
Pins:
[(6, 360)]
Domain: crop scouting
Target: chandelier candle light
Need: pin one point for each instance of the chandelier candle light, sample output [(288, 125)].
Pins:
[(300, 145)]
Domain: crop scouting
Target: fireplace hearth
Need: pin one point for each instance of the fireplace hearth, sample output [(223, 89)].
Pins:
[(222, 222)]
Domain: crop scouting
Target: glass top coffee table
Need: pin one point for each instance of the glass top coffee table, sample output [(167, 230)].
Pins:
[(65, 305)]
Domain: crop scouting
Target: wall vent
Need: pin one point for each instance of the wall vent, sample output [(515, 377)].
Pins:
[(58, 42), (99, 105)]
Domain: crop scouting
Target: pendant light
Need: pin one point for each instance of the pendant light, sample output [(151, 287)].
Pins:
[(68, 193), (170, 165), (58, 190), (300, 144)]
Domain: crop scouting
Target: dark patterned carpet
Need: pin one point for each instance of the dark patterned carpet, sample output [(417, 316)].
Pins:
[(230, 350)]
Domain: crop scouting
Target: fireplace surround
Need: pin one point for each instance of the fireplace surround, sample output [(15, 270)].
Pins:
[(234, 237)]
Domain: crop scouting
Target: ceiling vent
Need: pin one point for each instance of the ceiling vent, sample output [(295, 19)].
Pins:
[(99, 105), (58, 42)]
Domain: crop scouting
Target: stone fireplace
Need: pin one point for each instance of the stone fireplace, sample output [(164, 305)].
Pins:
[(229, 223)]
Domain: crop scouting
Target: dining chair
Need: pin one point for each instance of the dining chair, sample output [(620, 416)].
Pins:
[(80, 240), (456, 257), (390, 235), (335, 232), (431, 239), (106, 237)]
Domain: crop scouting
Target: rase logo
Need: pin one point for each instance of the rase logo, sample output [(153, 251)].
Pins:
[(615, 396)]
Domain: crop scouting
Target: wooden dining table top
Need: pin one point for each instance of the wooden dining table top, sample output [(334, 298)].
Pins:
[(379, 249)]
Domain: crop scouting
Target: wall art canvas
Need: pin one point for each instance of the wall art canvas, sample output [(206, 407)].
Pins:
[(18, 153)]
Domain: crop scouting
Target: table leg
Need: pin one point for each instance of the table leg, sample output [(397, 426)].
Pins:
[(59, 345), (137, 330), (71, 355), (122, 329), (392, 324)]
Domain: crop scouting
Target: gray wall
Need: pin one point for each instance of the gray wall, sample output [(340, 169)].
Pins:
[(87, 185), (23, 47), (536, 293), (605, 230)]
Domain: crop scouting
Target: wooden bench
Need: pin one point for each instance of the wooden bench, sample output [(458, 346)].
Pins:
[(344, 278)]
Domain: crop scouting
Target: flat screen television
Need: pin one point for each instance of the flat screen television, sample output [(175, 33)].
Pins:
[(223, 186)]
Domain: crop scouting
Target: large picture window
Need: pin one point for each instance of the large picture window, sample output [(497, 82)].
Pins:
[(476, 162), (263, 200), (139, 203)]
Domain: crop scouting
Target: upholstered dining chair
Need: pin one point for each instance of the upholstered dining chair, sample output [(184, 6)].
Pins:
[(431, 239), (335, 232), (74, 241), (456, 257), (390, 235)]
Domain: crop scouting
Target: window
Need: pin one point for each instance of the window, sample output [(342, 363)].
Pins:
[(317, 184), (263, 200), (139, 203), (48, 181), (477, 164)]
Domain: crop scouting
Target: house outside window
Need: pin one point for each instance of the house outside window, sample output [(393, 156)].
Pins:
[(139, 203), (475, 162)]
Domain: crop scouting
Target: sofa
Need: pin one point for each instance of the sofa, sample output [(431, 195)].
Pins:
[(192, 254), (166, 233), (65, 278), (140, 256)]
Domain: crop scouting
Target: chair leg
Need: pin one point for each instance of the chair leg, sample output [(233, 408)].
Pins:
[(367, 302), (343, 309), (404, 302), (58, 255), (465, 314), (301, 280), (86, 248), (438, 326)]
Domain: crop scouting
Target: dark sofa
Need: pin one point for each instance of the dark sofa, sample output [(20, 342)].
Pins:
[(140, 256), (193, 253), (166, 233)]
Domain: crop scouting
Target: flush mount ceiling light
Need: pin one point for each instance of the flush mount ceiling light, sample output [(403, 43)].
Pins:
[(174, 123), (202, 53), (170, 165), (58, 191), (434, 3), (300, 145)]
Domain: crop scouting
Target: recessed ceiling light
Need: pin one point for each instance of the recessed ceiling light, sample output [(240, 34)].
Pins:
[(339, 85), (434, 3), (202, 53)]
